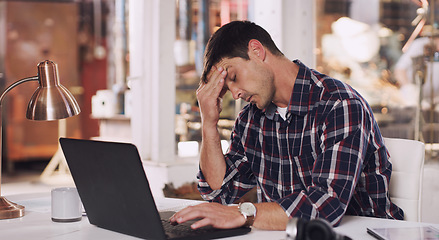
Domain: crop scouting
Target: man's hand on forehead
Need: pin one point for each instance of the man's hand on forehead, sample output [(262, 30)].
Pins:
[(215, 79), (215, 68), (220, 70), (209, 75), (210, 93)]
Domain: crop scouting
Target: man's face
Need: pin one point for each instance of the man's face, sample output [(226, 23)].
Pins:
[(249, 80)]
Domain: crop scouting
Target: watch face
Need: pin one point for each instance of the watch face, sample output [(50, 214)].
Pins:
[(248, 209)]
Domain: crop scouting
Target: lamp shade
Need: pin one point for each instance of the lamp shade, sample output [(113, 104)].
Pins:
[(51, 100)]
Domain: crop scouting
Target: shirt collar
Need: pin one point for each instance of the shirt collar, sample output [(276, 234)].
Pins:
[(299, 97), (299, 101)]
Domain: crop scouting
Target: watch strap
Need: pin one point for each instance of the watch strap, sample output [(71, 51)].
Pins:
[(249, 220)]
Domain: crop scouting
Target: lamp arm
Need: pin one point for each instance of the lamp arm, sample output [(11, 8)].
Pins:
[(16, 84), (9, 209)]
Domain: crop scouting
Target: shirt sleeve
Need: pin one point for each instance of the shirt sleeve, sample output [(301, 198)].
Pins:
[(238, 179), (335, 173)]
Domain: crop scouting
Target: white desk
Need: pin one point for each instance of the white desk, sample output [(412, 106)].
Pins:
[(37, 223)]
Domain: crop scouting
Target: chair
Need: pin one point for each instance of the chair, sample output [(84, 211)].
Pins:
[(407, 157)]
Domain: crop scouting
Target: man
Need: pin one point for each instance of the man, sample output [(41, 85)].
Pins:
[(309, 143)]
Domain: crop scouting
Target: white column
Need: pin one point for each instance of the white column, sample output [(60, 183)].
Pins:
[(152, 77), (152, 82), (366, 11), (268, 14), (291, 24), (299, 30)]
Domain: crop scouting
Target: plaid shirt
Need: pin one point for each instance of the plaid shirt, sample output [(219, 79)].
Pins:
[(325, 160)]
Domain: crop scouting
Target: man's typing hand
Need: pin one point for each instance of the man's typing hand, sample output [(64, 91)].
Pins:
[(213, 214)]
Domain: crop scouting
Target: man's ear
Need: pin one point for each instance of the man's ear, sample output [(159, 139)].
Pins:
[(256, 49)]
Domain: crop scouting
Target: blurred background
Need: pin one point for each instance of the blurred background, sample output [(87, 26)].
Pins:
[(386, 49)]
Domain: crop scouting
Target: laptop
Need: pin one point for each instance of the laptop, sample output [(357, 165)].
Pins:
[(116, 195)]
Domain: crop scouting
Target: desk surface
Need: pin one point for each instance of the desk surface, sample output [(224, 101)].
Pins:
[(37, 223)]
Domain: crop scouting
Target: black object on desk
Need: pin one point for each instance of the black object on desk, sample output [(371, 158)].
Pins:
[(115, 192)]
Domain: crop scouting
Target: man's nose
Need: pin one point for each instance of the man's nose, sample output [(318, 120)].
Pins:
[(236, 93)]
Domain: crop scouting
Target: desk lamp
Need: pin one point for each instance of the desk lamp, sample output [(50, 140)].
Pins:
[(51, 101)]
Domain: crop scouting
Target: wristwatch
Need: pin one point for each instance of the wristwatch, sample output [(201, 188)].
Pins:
[(248, 210)]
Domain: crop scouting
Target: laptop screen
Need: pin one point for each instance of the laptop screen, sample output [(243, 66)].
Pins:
[(115, 191)]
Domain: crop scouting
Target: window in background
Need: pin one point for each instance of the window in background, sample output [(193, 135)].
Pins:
[(359, 42), (362, 42), (196, 21)]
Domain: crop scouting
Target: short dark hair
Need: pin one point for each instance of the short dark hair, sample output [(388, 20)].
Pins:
[(231, 40)]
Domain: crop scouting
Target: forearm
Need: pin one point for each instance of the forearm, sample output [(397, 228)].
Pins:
[(212, 162), (209, 96), (270, 216)]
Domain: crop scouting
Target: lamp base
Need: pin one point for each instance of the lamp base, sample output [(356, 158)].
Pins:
[(9, 209)]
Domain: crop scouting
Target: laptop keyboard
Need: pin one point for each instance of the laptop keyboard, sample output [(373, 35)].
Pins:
[(183, 229)]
